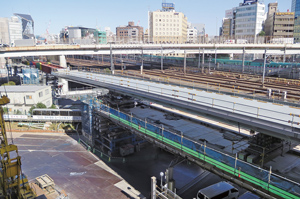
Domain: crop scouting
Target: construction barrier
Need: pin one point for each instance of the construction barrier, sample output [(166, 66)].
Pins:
[(269, 181)]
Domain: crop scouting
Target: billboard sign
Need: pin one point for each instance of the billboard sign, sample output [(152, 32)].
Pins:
[(250, 1), (168, 5), (229, 13)]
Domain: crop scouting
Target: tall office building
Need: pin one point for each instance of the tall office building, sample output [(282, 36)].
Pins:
[(10, 30), (250, 17), (296, 7), (228, 23), (130, 33), (279, 24), (167, 25)]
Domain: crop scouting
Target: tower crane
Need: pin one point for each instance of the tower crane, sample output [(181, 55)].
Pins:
[(13, 183)]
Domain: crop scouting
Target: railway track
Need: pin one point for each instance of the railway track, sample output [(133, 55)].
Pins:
[(251, 87), (232, 82)]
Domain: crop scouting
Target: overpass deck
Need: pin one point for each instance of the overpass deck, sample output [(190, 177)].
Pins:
[(224, 165), (274, 119)]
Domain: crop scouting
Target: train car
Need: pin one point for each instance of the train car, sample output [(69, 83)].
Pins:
[(70, 115)]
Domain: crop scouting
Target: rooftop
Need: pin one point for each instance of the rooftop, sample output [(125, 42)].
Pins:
[(21, 89)]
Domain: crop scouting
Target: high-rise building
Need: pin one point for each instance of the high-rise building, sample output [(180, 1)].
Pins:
[(192, 34), (10, 30), (167, 25), (130, 33), (110, 36), (297, 30), (27, 25), (226, 27), (228, 23), (272, 9), (296, 7), (249, 20)]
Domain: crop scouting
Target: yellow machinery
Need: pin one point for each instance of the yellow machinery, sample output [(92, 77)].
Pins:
[(13, 183)]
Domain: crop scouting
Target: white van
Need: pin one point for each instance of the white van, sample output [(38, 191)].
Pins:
[(221, 190)]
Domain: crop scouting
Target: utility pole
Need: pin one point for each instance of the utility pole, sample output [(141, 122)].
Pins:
[(265, 59)]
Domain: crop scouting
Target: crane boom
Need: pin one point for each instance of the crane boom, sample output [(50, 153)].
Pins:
[(13, 183)]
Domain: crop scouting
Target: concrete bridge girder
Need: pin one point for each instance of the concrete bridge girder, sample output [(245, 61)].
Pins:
[(278, 49)]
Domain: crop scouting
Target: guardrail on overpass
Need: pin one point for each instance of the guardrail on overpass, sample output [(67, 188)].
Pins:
[(273, 119), (274, 49), (262, 179)]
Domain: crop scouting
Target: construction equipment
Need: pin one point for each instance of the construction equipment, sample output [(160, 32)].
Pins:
[(45, 183), (13, 183)]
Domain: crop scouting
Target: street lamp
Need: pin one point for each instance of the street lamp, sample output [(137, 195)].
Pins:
[(161, 176)]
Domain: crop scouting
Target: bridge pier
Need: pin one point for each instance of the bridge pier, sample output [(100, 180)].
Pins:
[(162, 60), (203, 57), (184, 65), (243, 65), (62, 61), (112, 67), (65, 85)]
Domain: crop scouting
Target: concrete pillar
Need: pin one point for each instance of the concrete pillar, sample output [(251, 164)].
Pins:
[(264, 70), (112, 67), (65, 87), (231, 56), (203, 57), (215, 56), (62, 61), (162, 60), (284, 55), (199, 61), (153, 187), (243, 65), (184, 64), (142, 66)]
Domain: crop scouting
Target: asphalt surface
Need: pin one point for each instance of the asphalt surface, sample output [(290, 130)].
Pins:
[(71, 166)]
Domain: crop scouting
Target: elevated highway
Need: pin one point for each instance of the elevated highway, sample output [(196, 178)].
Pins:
[(273, 119), (274, 49)]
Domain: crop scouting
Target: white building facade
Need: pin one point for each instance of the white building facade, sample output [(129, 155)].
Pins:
[(15, 29), (250, 18), (192, 34), (167, 26), (10, 30), (22, 98)]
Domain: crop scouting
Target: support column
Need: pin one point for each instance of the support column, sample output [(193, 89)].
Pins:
[(199, 61), (112, 67), (265, 59), (284, 55), (65, 86), (203, 57), (162, 60), (243, 66), (153, 187), (216, 56), (184, 64), (142, 66), (62, 61)]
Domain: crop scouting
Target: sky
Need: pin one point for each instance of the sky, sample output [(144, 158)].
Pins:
[(54, 15)]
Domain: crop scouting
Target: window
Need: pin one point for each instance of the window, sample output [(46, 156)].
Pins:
[(28, 96), (201, 196), (41, 94), (222, 195), (47, 92)]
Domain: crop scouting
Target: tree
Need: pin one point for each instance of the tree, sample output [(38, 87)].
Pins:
[(53, 106), (262, 33), (10, 83), (5, 110), (40, 105), (31, 109)]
